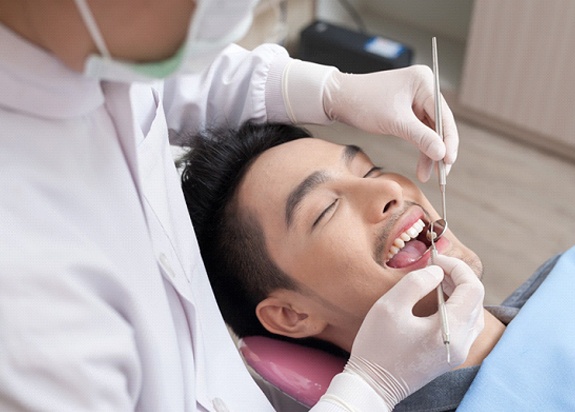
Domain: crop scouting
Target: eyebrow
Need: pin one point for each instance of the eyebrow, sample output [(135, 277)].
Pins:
[(314, 180)]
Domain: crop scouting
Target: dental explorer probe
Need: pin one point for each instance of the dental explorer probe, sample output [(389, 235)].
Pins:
[(433, 236), (439, 125), (442, 184)]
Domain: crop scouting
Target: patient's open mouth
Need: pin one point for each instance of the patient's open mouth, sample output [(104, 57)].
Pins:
[(409, 246)]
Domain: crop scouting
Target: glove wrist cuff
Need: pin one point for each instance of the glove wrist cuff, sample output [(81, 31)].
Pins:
[(303, 85), (389, 388), (349, 392)]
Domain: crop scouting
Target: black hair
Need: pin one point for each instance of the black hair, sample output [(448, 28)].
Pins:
[(232, 244), (231, 241)]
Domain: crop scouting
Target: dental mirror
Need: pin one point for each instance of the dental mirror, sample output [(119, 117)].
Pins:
[(436, 229)]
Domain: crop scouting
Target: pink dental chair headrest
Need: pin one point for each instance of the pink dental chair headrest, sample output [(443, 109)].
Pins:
[(301, 372)]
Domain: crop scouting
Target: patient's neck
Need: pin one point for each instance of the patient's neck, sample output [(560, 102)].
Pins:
[(486, 340)]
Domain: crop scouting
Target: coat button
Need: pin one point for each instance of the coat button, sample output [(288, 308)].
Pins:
[(219, 405), (165, 264)]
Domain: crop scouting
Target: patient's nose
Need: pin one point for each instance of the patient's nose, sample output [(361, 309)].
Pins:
[(380, 198)]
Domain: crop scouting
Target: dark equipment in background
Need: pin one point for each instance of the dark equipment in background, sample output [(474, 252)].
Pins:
[(351, 51)]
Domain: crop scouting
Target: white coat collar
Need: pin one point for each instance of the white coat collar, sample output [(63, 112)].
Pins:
[(35, 82)]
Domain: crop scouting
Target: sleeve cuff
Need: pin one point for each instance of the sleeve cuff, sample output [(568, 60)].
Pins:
[(294, 91)]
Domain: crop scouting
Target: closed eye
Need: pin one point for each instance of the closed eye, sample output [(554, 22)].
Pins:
[(372, 171), (325, 212)]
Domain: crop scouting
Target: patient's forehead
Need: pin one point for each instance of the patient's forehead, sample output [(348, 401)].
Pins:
[(275, 172), (307, 149), (298, 157)]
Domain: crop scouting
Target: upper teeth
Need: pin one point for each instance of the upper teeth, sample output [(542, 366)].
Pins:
[(406, 236)]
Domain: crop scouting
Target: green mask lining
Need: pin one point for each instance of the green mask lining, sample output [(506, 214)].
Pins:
[(162, 68)]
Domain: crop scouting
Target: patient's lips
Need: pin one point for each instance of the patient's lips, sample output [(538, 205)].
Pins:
[(407, 248)]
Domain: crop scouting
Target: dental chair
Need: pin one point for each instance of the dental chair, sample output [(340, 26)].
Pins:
[(300, 372)]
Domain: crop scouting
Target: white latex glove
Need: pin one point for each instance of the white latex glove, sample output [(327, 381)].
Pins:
[(395, 102), (397, 353)]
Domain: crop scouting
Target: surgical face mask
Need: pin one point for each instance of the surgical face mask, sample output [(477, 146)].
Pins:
[(212, 28)]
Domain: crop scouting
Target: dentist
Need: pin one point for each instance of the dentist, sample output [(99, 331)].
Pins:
[(104, 300)]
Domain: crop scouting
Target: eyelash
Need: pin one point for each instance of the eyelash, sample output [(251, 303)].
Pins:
[(332, 205), (322, 214), (373, 169)]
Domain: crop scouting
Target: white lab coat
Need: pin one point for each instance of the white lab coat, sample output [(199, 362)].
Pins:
[(104, 300)]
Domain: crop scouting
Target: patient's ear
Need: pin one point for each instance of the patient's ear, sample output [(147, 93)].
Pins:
[(283, 315)]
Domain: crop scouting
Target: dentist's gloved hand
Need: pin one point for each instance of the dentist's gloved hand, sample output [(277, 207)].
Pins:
[(395, 102), (396, 352)]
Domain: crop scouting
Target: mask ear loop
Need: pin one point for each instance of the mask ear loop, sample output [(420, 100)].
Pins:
[(92, 27)]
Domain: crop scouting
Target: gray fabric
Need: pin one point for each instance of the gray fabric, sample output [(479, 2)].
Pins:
[(442, 394), (446, 392)]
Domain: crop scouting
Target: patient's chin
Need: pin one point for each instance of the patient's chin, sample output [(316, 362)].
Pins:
[(475, 264), (470, 258), (428, 305)]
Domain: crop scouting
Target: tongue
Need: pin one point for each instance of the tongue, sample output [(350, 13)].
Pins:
[(412, 252)]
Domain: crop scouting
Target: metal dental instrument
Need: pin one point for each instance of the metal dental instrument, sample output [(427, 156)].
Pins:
[(439, 125), (436, 229), (442, 183)]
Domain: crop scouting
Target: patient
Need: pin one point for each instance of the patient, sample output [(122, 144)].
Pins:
[(301, 236)]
